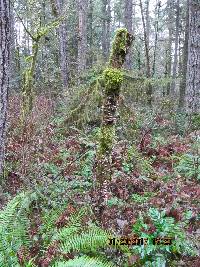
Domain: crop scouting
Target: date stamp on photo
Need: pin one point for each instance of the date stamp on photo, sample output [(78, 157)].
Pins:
[(132, 241)]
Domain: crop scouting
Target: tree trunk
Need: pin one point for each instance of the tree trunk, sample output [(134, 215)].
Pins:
[(108, 31), (18, 65), (82, 35), (28, 83), (193, 64), (13, 71), (184, 65), (62, 32), (157, 14), (174, 71), (112, 79), (106, 20), (90, 33), (4, 73), (128, 22), (103, 40), (169, 45), (145, 22)]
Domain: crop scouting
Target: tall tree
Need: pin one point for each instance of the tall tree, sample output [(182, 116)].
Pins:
[(4, 72), (28, 75), (169, 43), (157, 14), (62, 32), (106, 20), (146, 29), (175, 63), (82, 35), (193, 64), (128, 22), (90, 32), (185, 58)]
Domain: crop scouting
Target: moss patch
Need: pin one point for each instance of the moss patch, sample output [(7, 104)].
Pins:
[(119, 48), (113, 79), (106, 138)]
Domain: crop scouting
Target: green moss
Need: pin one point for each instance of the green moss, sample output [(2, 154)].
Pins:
[(119, 45), (113, 79), (106, 137)]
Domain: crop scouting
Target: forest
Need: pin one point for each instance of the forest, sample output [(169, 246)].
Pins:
[(99, 133)]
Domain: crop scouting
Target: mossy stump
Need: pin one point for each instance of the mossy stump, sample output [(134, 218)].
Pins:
[(112, 81)]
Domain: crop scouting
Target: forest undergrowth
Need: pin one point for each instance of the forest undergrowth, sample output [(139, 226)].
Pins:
[(49, 204)]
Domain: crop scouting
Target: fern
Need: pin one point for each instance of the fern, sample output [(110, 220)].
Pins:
[(73, 238), (84, 261), (90, 240), (13, 228), (47, 229), (74, 226), (14, 223)]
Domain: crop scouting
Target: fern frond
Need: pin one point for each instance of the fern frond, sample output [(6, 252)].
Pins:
[(84, 261), (13, 228), (74, 225), (90, 240), (76, 238)]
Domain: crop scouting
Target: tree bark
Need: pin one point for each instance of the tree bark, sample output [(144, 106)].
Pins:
[(157, 14), (13, 71), (184, 65), (145, 22), (4, 73), (169, 45), (90, 33), (106, 20), (62, 33), (174, 70), (193, 64), (27, 89), (108, 30), (128, 22), (82, 35)]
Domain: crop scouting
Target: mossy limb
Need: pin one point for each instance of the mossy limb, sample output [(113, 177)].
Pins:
[(120, 46)]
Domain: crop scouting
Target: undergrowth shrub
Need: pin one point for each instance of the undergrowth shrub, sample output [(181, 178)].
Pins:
[(158, 225), (188, 164), (87, 163), (133, 160)]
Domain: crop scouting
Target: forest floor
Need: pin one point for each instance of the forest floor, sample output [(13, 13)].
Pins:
[(156, 172)]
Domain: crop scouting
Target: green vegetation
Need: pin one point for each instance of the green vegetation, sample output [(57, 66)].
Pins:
[(161, 226), (113, 79), (99, 134)]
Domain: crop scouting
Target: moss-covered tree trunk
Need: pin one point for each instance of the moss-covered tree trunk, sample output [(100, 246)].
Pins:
[(28, 81), (112, 80), (28, 76)]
